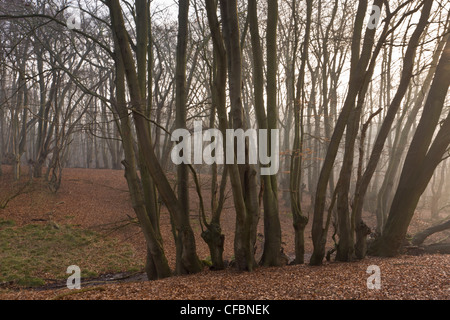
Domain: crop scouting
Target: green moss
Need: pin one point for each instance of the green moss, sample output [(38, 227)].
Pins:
[(35, 252), (88, 274), (6, 223), (30, 282), (207, 262)]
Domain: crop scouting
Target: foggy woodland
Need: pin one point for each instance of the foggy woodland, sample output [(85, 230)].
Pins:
[(358, 91)]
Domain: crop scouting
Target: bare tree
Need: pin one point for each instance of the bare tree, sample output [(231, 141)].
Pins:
[(423, 156)]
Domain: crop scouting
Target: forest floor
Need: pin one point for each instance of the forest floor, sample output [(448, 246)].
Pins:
[(90, 223)]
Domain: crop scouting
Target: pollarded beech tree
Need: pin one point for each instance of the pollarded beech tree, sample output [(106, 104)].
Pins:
[(300, 220), (272, 228), (424, 155), (360, 59), (188, 259)]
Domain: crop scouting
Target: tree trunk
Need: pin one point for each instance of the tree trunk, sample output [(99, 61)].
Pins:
[(213, 234), (299, 220), (400, 143), (436, 193), (420, 237), (219, 86), (272, 228), (43, 134), (189, 258), (245, 220), (345, 246), (20, 135), (438, 248), (407, 72), (144, 71), (272, 255), (180, 120), (358, 69), (420, 163), (157, 266)]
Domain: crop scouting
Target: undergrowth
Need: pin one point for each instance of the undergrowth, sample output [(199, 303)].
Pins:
[(36, 254)]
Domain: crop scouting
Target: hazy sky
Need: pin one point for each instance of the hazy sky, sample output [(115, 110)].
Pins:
[(171, 6)]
